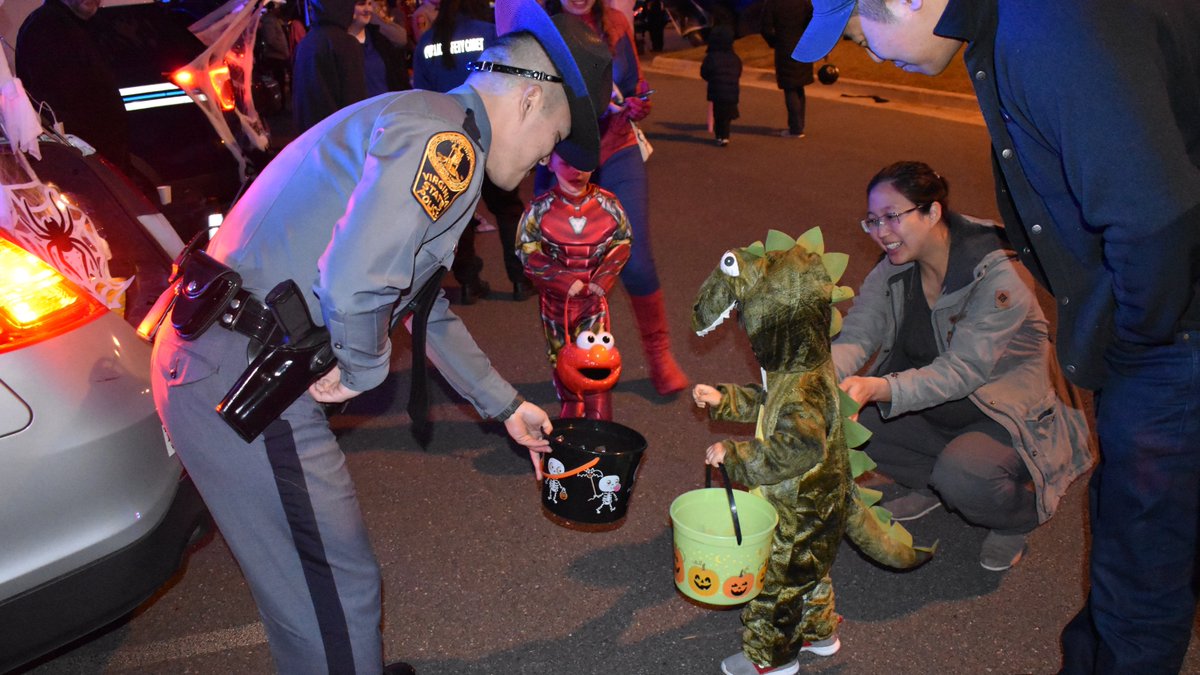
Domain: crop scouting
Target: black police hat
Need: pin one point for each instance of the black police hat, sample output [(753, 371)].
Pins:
[(585, 64)]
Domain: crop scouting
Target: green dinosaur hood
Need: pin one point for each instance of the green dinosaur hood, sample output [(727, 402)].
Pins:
[(782, 292)]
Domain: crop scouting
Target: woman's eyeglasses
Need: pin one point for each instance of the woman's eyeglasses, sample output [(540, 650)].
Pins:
[(871, 224)]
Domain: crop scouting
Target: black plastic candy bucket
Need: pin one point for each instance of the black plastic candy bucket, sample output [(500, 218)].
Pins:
[(590, 470)]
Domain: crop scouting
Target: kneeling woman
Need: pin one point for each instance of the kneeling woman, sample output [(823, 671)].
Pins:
[(970, 408)]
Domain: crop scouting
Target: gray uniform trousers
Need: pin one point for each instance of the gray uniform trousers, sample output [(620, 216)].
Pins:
[(284, 503)]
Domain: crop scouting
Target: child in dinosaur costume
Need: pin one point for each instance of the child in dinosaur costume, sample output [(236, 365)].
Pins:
[(801, 458)]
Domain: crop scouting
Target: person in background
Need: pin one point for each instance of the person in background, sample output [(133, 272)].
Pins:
[(273, 53), (656, 23), (574, 242), (384, 61), (294, 28), (783, 22), (462, 29), (423, 16), (1103, 204), (623, 172), (62, 67), (722, 70), (964, 398), (329, 73)]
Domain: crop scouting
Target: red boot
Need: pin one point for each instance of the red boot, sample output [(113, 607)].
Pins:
[(651, 317), (572, 403)]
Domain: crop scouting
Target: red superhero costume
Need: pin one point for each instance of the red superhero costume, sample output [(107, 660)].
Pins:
[(566, 239)]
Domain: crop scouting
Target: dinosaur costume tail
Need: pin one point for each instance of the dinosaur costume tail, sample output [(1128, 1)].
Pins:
[(886, 543)]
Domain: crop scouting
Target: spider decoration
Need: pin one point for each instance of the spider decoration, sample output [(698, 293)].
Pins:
[(57, 228)]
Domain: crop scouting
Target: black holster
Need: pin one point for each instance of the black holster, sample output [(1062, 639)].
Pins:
[(283, 370)]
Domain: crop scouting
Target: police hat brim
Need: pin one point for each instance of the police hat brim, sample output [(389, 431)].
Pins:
[(583, 61)]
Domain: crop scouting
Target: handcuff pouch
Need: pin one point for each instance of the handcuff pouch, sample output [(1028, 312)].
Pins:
[(205, 290)]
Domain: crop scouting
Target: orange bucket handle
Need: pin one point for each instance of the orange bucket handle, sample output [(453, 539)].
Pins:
[(572, 472)]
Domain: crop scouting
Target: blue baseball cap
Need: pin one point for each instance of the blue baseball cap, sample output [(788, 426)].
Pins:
[(826, 28), (585, 64)]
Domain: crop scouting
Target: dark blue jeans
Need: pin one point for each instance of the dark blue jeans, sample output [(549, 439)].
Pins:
[(1144, 501)]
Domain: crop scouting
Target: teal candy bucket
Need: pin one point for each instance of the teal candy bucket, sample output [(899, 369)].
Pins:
[(711, 566)]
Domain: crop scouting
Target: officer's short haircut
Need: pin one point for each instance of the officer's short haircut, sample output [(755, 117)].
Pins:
[(522, 50)]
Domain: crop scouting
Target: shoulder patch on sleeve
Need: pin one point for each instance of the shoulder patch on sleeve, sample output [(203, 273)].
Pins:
[(1003, 299), (445, 172)]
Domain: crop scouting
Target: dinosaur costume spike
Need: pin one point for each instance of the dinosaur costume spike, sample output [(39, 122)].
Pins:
[(813, 241), (835, 264), (778, 241), (801, 458)]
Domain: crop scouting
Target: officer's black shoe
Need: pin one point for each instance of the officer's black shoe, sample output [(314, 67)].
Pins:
[(523, 290), (399, 668), (472, 291)]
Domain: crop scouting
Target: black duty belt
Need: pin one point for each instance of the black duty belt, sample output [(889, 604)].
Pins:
[(247, 315)]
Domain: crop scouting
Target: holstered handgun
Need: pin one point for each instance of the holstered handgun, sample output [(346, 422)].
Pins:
[(282, 371)]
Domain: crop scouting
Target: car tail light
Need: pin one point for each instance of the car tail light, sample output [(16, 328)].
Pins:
[(185, 79), (36, 302)]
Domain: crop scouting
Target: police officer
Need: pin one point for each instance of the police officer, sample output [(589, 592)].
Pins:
[(360, 211)]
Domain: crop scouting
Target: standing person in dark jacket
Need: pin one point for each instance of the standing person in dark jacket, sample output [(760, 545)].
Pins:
[(60, 65), (1103, 203), (384, 62), (783, 22), (722, 70), (461, 30), (329, 73)]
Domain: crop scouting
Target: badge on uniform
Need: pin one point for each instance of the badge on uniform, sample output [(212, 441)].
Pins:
[(445, 172), (1002, 299)]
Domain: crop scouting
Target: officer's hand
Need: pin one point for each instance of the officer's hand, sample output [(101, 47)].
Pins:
[(329, 389), (530, 426)]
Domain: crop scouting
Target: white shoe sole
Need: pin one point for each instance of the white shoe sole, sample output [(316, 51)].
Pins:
[(1010, 565), (827, 650), (787, 669)]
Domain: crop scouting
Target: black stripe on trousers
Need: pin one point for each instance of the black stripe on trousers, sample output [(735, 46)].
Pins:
[(298, 508)]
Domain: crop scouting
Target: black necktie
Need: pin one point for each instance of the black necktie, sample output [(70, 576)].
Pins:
[(418, 397)]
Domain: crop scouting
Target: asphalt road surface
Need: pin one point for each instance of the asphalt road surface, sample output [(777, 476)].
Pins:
[(478, 580)]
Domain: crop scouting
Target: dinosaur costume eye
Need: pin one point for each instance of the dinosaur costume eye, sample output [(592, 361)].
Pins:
[(729, 264), (586, 339)]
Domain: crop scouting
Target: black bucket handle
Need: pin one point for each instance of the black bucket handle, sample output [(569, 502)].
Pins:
[(737, 525)]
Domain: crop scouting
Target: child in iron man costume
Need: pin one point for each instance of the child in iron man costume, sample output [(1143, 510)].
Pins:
[(574, 240)]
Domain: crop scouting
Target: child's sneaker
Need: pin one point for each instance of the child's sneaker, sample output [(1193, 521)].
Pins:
[(827, 647), (722, 142), (738, 664)]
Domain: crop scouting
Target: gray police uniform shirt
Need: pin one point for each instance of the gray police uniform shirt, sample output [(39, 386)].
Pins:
[(362, 209)]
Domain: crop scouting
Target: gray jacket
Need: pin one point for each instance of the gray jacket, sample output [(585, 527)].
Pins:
[(994, 347), (362, 209)]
